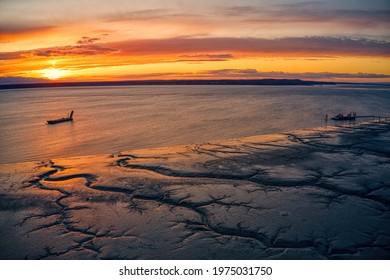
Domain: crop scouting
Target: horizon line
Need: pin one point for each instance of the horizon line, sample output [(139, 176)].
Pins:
[(266, 81)]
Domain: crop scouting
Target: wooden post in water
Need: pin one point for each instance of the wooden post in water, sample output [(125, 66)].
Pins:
[(71, 114)]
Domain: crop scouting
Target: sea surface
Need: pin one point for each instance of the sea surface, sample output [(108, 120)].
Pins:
[(119, 118)]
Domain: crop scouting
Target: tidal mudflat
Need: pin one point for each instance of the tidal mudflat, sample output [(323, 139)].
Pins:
[(319, 193)]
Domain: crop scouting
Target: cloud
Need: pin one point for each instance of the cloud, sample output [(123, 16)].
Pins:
[(204, 57), (231, 16), (253, 73), (10, 55), (283, 47), (84, 47), (304, 12), (79, 50), (19, 29), (87, 40), (215, 49), (11, 32), (147, 14), (233, 72)]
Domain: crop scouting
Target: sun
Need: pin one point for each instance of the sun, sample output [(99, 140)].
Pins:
[(53, 73)]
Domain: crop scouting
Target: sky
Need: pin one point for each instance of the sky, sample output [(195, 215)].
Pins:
[(100, 40)]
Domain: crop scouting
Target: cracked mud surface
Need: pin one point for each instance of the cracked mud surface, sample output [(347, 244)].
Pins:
[(311, 194)]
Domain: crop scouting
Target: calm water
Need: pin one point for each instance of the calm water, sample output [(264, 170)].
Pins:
[(111, 119)]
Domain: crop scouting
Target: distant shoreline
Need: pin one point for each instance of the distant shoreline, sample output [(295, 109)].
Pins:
[(278, 82), (233, 82)]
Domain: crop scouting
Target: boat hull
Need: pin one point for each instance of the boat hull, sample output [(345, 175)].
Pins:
[(343, 118), (59, 120)]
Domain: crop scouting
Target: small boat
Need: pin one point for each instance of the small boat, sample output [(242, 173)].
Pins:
[(342, 117), (67, 119)]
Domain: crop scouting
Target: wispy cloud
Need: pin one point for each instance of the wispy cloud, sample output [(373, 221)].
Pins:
[(204, 57), (253, 73), (18, 29), (84, 47), (215, 49), (293, 46), (148, 14), (78, 50), (233, 72), (250, 74), (87, 40), (189, 36), (12, 32), (304, 12)]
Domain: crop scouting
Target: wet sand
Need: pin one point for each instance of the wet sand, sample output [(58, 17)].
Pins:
[(310, 194)]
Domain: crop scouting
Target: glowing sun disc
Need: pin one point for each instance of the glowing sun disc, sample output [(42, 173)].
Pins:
[(53, 73)]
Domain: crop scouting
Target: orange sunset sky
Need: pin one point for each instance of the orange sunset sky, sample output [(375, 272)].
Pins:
[(101, 40)]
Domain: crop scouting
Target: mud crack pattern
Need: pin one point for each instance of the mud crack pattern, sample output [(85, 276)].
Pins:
[(311, 194)]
